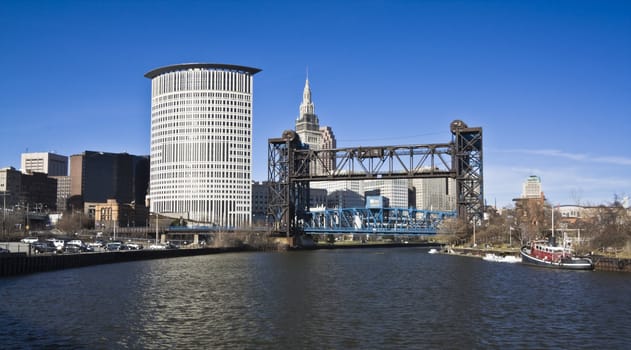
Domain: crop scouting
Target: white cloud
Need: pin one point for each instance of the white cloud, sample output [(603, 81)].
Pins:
[(568, 185), (614, 160)]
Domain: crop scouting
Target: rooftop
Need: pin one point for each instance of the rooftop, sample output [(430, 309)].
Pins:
[(184, 66)]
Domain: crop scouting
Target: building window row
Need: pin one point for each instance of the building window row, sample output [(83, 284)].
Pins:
[(198, 79)]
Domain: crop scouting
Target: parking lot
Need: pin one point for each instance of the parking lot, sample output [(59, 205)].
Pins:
[(20, 247), (15, 247)]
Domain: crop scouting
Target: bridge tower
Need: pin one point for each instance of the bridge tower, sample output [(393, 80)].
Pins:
[(467, 162), (288, 198)]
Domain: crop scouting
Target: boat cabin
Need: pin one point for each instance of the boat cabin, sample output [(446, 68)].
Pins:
[(544, 251)]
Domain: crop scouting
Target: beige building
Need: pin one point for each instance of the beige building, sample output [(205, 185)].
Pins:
[(45, 162), (532, 187), (111, 214)]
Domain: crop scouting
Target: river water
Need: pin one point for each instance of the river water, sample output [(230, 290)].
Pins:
[(398, 298)]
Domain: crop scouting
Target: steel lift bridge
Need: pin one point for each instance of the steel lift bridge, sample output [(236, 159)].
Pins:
[(290, 170)]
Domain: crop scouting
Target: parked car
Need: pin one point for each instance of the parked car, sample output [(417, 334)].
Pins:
[(171, 245), (82, 246), (97, 244), (4, 251), (134, 246), (113, 246), (72, 248), (59, 244), (44, 247), (29, 240)]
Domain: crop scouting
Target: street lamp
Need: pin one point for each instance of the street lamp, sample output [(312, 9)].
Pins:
[(4, 212), (474, 222)]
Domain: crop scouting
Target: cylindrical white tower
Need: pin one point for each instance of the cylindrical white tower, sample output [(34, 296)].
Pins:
[(201, 142)]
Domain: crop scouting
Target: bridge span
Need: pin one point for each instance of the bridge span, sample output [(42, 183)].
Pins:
[(292, 165), (382, 221)]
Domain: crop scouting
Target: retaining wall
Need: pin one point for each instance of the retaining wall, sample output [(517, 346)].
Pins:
[(20, 263)]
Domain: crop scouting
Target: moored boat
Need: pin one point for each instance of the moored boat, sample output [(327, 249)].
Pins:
[(547, 254), (501, 258)]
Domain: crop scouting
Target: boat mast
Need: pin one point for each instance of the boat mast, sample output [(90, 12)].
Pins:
[(553, 222)]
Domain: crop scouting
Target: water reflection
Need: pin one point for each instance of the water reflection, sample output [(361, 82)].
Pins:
[(381, 298)]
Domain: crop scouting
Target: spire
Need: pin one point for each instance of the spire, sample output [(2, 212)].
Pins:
[(306, 94), (306, 107)]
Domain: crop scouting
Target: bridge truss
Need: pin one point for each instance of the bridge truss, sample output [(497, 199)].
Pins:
[(292, 165), (386, 221)]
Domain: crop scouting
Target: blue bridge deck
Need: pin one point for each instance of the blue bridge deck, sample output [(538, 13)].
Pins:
[(384, 221)]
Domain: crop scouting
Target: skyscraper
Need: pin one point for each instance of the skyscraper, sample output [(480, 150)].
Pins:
[(328, 142), (307, 124), (201, 142), (532, 187), (310, 132), (434, 194)]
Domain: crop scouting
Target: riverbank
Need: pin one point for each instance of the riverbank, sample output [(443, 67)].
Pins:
[(20, 263), (601, 262)]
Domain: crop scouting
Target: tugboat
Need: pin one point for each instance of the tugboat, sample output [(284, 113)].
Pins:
[(547, 254)]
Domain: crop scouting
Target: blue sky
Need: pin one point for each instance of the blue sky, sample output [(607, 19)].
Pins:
[(548, 81)]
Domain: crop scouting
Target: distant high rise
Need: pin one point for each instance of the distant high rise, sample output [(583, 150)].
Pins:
[(45, 162), (63, 191), (532, 187), (396, 191), (201, 142), (307, 124), (341, 194), (328, 142), (434, 194), (310, 132)]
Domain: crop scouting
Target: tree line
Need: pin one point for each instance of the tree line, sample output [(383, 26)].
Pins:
[(603, 228)]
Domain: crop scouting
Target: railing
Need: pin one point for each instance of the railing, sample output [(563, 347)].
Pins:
[(386, 221)]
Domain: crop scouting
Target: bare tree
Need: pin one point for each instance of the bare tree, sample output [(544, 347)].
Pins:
[(455, 229)]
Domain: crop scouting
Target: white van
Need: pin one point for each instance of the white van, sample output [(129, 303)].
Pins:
[(59, 244)]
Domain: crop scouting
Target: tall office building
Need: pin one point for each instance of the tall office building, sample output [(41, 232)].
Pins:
[(99, 176), (45, 162), (396, 191), (201, 142), (434, 194), (307, 124), (63, 191), (310, 132), (342, 194), (328, 142), (532, 187)]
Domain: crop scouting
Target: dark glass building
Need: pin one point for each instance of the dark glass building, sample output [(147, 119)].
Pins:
[(99, 176)]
